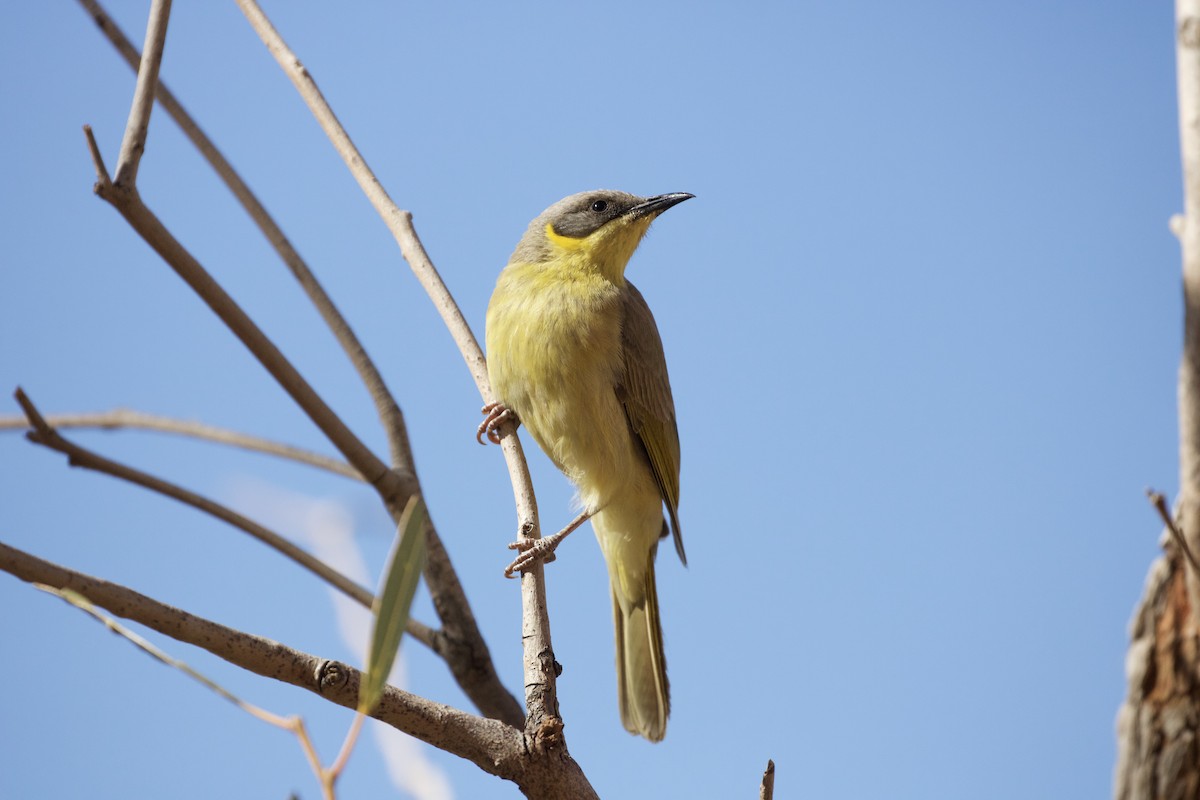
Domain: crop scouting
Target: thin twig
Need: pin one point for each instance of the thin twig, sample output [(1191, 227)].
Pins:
[(293, 724), (330, 775), (540, 677), (97, 159), (1160, 504), (310, 752), (133, 144), (128, 418), (385, 404), (44, 434)]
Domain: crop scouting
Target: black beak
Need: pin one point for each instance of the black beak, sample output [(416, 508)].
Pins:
[(656, 205)]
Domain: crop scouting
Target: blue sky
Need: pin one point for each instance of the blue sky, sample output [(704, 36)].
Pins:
[(922, 321)]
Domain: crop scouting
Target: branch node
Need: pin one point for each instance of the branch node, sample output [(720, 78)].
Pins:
[(331, 675), (548, 736)]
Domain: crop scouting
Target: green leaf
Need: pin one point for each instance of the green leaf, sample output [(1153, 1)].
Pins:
[(393, 602)]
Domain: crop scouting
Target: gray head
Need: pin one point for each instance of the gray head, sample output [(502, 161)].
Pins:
[(601, 226)]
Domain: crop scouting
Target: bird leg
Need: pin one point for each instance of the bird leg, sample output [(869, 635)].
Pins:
[(497, 414), (534, 550)]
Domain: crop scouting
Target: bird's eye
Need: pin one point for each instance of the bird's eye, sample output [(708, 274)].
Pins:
[(599, 205)]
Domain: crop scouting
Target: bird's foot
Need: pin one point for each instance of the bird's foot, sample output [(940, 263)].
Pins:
[(535, 550), (496, 415), (532, 551)]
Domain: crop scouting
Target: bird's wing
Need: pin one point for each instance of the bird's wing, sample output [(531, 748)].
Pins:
[(645, 391)]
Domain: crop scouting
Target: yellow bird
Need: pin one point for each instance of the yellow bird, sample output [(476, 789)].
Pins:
[(574, 354)]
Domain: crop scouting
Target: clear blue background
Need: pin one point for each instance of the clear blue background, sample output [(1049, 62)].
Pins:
[(922, 322)]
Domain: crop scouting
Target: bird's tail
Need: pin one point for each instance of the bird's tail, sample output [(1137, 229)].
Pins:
[(642, 689)]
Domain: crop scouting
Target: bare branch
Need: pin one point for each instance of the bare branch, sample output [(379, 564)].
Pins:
[(540, 677), (42, 433), (385, 404), (494, 746), (133, 144), (128, 418)]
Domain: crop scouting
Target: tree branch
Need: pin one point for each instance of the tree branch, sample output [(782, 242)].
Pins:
[(42, 433), (495, 747), (488, 743), (540, 674), (128, 418), (385, 404)]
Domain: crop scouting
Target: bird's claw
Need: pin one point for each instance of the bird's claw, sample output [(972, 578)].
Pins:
[(535, 550), (496, 415), (532, 551)]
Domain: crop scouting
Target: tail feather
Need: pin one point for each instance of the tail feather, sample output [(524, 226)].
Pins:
[(642, 689)]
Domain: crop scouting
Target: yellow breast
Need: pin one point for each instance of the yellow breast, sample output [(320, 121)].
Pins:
[(554, 356)]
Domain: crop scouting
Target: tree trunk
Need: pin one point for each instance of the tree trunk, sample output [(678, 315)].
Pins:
[(1158, 726)]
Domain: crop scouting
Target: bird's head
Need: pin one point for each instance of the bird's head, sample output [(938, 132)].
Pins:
[(596, 230)]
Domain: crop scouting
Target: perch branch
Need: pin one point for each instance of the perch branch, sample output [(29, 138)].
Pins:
[(128, 418), (385, 404), (540, 677)]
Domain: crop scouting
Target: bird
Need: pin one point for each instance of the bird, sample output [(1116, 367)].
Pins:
[(574, 355)]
